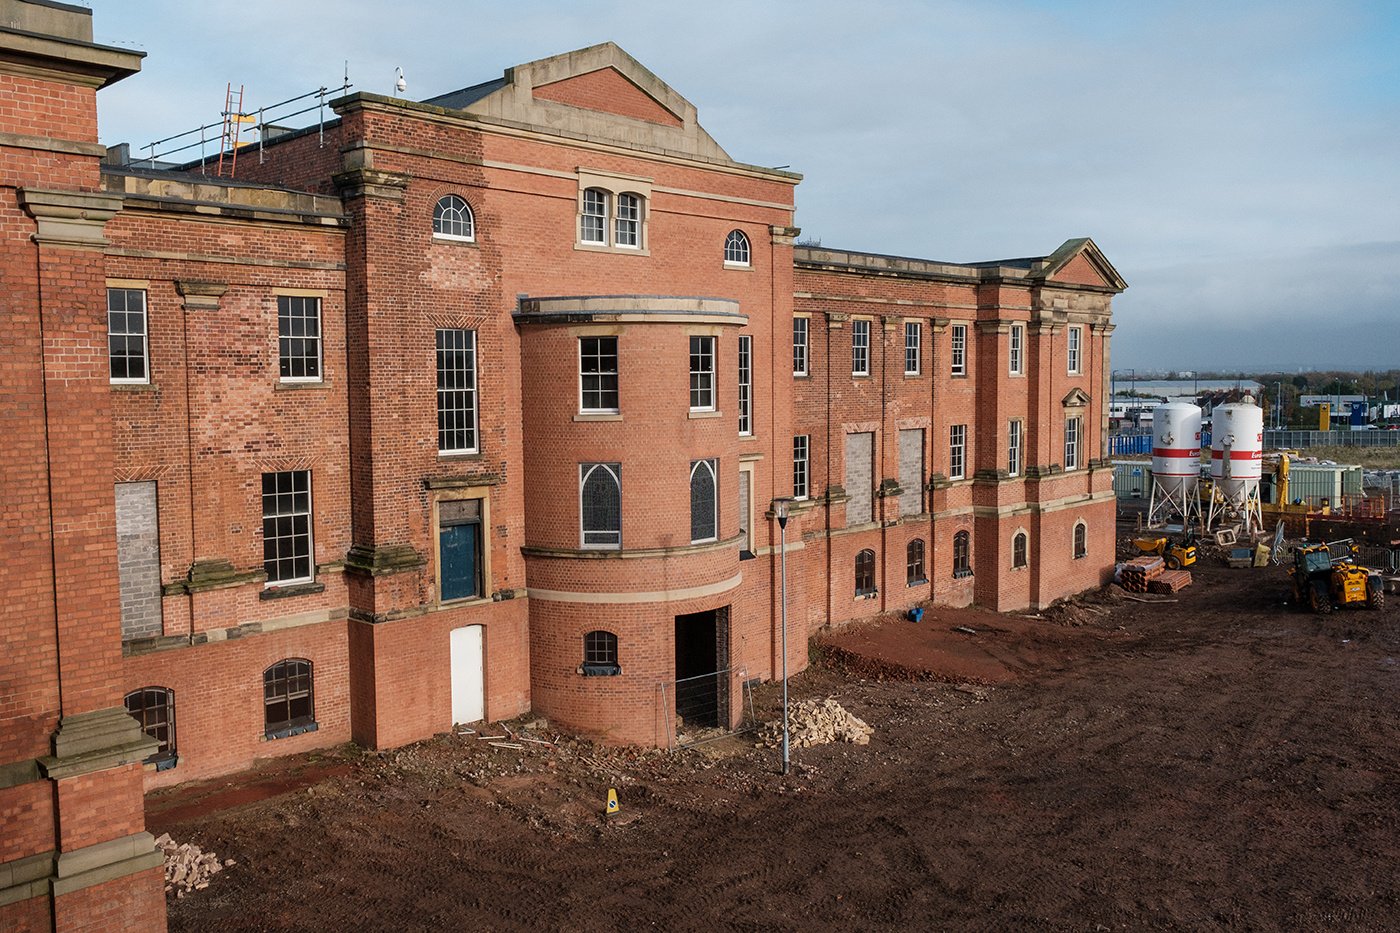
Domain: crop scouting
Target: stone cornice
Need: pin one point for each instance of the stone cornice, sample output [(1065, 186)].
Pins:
[(371, 183)]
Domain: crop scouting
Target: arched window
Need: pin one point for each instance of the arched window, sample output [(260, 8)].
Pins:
[(600, 654), (962, 554), (736, 249), (288, 702), (865, 573), (1081, 540), (600, 504), (1018, 551), (627, 231), (453, 220), (593, 222), (703, 502), (154, 709), (914, 570)]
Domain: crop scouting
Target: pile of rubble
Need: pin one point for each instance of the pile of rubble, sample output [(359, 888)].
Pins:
[(187, 866), (817, 722)]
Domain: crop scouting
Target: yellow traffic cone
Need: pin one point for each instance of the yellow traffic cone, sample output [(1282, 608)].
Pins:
[(612, 802)]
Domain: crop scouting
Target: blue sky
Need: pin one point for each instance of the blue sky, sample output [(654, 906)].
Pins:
[(1238, 162)]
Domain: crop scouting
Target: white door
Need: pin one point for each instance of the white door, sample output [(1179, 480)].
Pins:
[(468, 675)]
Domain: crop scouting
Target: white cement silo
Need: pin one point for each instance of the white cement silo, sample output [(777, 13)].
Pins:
[(1236, 461), (1176, 464)]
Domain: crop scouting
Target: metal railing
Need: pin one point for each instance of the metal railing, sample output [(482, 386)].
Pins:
[(1276, 440), (212, 133), (701, 712)]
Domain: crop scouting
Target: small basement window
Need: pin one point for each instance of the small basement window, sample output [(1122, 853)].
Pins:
[(600, 655)]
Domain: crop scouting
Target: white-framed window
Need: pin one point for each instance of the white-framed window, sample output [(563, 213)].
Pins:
[(597, 374), (704, 501), (800, 333), (286, 527), (958, 355), (453, 219), (746, 386), (736, 249), (128, 355), (1074, 341), (1072, 428), (957, 451), (1015, 445), (702, 374), (913, 345), (299, 338), (612, 218), (456, 391), (860, 348), (1017, 350), (600, 505), (627, 230), (801, 453), (593, 222)]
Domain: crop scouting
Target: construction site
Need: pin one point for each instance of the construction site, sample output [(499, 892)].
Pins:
[(1205, 760), (322, 613)]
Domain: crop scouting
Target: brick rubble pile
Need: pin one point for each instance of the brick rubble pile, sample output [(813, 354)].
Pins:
[(187, 866), (817, 722)]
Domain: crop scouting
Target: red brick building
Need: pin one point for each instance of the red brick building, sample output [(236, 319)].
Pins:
[(463, 408)]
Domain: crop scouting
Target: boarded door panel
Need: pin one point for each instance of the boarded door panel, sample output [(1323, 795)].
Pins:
[(860, 452), (460, 559), (911, 471), (468, 674)]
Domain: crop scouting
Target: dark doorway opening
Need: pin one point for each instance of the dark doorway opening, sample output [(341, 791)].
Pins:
[(702, 654)]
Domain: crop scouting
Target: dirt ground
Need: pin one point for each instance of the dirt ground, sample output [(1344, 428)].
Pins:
[(1218, 762)]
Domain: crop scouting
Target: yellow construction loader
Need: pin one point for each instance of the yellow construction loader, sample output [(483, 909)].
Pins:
[(1327, 575), (1174, 555)]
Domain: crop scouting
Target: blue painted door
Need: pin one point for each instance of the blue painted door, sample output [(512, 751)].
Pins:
[(460, 559)]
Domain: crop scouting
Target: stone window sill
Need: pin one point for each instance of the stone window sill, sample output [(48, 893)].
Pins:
[(286, 732), (294, 589), (695, 415), (598, 416)]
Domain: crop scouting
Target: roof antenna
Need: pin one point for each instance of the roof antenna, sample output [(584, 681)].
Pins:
[(400, 85)]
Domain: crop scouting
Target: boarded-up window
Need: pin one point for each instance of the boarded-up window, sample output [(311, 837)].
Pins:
[(860, 452), (911, 471), (138, 559)]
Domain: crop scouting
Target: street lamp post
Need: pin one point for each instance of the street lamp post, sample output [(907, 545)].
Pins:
[(780, 511)]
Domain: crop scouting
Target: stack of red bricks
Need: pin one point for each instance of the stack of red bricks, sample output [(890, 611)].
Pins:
[(1170, 581), (1140, 571)]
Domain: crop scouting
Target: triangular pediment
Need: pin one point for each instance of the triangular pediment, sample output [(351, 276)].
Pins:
[(1080, 262), (600, 93), (1077, 398), (610, 91)]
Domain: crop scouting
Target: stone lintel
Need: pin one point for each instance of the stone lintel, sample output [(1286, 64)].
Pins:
[(461, 481)]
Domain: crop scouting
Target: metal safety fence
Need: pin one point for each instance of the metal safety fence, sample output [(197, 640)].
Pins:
[(1384, 559), (1284, 440), (696, 710)]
